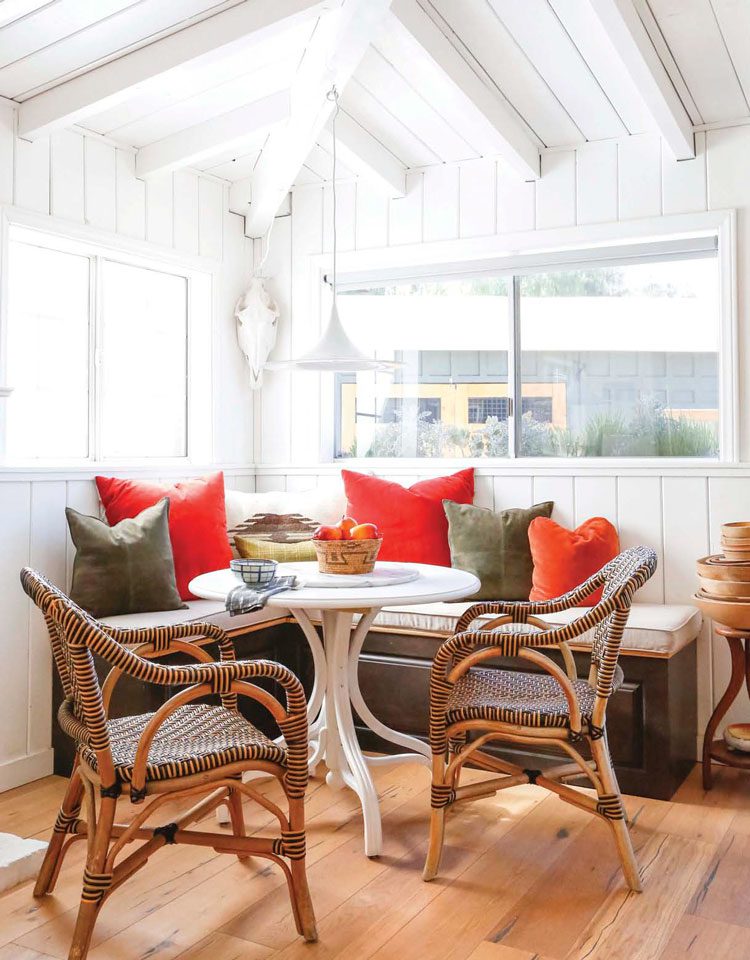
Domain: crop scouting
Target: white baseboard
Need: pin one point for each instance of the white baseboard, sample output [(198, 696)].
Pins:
[(14, 773)]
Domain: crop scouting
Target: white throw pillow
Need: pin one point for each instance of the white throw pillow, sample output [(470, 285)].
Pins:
[(326, 504)]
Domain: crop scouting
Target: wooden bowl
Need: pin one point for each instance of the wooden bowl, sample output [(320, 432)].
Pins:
[(728, 613), (739, 530), (736, 553), (725, 589), (717, 567), (347, 556)]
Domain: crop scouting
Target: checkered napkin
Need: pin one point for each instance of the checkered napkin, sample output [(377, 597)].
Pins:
[(244, 598)]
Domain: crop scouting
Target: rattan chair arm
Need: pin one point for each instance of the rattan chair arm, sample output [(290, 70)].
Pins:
[(161, 637), (521, 610), (219, 675)]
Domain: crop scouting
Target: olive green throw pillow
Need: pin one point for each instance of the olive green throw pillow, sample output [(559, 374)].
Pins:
[(128, 568), (494, 547)]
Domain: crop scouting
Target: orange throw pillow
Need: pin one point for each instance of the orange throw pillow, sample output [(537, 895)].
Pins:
[(564, 558)]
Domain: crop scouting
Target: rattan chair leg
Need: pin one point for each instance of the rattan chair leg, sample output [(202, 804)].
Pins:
[(611, 791), (304, 913), (95, 882), (440, 791), (435, 847), (56, 849), (237, 818)]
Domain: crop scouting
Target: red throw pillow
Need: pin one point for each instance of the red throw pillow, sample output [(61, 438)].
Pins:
[(564, 558), (411, 520), (197, 520)]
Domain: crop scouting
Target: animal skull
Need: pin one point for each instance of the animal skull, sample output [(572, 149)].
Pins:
[(257, 317)]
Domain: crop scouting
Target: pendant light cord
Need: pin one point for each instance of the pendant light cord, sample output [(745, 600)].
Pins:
[(333, 95)]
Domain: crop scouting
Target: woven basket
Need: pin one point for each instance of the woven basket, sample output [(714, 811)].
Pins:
[(347, 556)]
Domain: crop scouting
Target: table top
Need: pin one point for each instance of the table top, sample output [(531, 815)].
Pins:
[(431, 586)]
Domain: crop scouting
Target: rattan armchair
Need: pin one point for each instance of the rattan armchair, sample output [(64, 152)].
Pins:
[(550, 706), (185, 749)]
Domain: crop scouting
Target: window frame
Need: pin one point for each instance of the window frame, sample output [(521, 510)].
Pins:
[(538, 251), (201, 275)]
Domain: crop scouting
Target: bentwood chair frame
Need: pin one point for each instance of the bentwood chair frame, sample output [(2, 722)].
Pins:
[(98, 781), (519, 632)]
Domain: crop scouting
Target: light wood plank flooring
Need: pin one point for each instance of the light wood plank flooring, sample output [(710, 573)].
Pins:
[(525, 877)]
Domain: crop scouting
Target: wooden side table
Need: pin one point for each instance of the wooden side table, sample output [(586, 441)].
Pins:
[(739, 648)]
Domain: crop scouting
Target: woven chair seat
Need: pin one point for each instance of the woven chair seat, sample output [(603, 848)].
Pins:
[(526, 699), (195, 738)]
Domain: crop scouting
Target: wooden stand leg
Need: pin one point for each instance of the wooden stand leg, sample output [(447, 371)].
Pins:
[(740, 674)]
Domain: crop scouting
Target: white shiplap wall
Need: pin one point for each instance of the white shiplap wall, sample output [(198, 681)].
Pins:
[(83, 180), (679, 513)]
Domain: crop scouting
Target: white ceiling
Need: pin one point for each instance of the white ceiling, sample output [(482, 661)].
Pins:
[(549, 63)]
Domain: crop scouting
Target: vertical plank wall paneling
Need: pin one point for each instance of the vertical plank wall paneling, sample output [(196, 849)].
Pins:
[(307, 239), (67, 199), (15, 509), (47, 533), (85, 180)]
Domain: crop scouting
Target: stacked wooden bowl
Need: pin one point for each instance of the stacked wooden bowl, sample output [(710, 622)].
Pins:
[(724, 579)]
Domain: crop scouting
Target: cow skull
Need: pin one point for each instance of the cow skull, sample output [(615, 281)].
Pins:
[(257, 318)]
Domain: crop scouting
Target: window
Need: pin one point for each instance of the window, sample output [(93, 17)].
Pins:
[(96, 353), (632, 357), (617, 357), (423, 408), (482, 408)]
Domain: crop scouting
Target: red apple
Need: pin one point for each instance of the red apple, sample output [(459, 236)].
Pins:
[(346, 525), (364, 531), (325, 532)]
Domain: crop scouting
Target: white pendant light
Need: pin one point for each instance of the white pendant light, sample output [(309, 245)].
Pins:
[(335, 350)]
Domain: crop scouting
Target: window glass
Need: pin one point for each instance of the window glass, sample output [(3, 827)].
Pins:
[(47, 353), (449, 399), (621, 361), (143, 362), (96, 353)]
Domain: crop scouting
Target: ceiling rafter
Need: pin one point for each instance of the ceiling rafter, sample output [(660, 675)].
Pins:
[(109, 84), (476, 104), (632, 44), (366, 156), (231, 130), (333, 54)]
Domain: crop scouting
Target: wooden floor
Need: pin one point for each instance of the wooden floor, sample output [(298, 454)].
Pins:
[(525, 877)]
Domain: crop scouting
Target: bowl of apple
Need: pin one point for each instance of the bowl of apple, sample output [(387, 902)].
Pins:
[(347, 547)]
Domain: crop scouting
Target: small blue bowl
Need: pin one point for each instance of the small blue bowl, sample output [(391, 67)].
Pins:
[(255, 573)]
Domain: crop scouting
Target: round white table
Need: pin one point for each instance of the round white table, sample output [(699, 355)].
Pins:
[(336, 661)]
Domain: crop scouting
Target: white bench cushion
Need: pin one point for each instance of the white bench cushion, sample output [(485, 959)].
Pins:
[(656, 629), (207, 611), (653, 629)]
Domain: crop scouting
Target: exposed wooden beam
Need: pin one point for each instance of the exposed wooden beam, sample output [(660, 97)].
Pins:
[(111, 83), (365, 156), (632, 44), (204, 140), (336, 48), (475, 101)]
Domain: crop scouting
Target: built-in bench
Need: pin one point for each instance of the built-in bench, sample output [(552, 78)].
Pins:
[(651, 718)]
